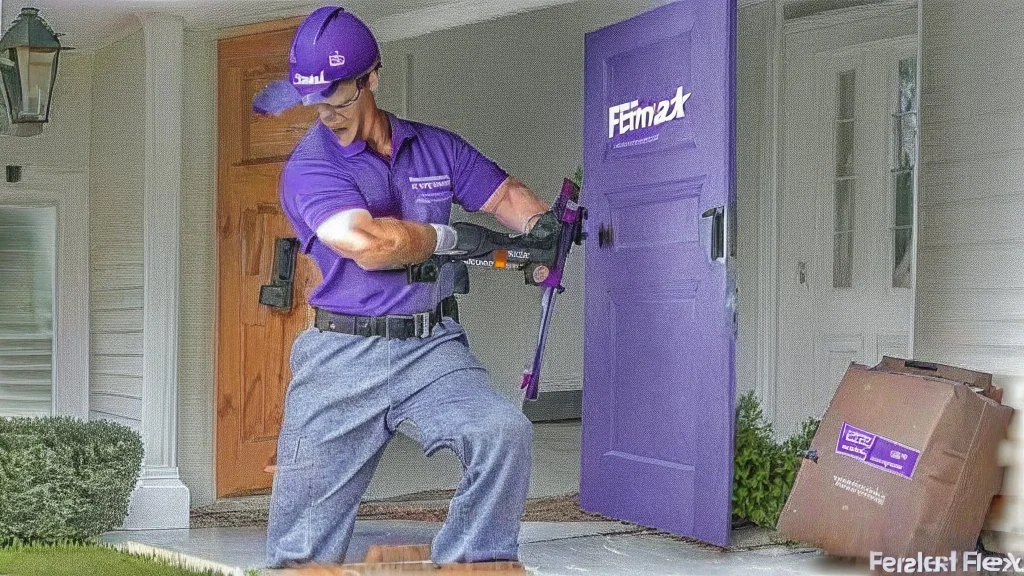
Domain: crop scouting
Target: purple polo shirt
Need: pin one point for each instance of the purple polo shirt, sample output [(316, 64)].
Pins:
[(429, 168)]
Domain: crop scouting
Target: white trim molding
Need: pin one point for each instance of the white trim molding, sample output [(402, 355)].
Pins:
[(161, 500), (459, 13), (847, 16), (768, 229), (68, 193)]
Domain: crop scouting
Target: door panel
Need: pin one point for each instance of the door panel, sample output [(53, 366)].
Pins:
[(659, 321), (253, 340)]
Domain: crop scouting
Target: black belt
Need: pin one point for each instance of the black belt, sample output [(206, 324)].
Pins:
[(390, 326)]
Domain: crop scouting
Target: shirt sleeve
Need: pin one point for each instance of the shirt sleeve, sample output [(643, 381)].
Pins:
[(317, 191), (476, 176)]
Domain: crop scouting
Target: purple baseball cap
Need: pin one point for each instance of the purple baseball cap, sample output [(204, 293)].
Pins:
[(331, 45)]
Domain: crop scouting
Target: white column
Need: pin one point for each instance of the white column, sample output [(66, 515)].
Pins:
[(161, 500)]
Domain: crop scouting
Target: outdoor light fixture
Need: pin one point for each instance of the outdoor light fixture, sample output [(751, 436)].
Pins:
[(28, 68)]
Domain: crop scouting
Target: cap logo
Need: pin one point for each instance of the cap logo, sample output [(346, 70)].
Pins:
[(336, 59), (301, 80)]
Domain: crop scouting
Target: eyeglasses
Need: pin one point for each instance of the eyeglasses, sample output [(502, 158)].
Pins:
[(360, 84), (346, 103)]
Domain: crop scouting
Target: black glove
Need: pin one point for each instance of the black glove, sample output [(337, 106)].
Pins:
[(545, 230), (471, 241)]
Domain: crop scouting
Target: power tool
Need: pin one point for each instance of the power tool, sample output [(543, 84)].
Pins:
[(540, 255)]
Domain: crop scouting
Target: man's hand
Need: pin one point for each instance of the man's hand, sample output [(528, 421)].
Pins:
[(545, 230)]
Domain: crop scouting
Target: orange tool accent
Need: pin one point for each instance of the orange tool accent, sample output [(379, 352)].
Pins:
[(500, 258)]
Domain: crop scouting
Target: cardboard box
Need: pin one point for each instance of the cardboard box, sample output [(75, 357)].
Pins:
[(906, 463)]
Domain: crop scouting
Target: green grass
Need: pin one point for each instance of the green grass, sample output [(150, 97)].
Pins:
[(83, 560)]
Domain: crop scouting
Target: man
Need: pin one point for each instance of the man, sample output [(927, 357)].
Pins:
[(368, 193)]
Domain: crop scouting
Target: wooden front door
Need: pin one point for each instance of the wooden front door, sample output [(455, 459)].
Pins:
[(253, 340)]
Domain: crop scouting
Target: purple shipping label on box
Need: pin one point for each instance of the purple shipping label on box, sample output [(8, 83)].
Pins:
[(877, 451)]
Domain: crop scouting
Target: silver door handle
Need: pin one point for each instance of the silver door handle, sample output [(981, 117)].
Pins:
[(717, 215)]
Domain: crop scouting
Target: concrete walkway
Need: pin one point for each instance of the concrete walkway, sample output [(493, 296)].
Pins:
[(547, 549)]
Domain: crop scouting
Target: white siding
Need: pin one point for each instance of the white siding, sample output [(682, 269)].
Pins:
[(116, 184), (970, 295)]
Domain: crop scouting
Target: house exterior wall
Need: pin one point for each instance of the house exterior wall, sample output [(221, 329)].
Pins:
[(543, 84), (970, 276), (116, 173)]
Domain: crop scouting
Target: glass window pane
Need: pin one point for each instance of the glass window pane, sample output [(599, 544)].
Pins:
[(905, 130), (844, 149), (901, 264), (842, 264), (904, 205), (34, 67), (906, 140), (908, 84), (27, 252), (847, 87), (844, 124), (844, 206)]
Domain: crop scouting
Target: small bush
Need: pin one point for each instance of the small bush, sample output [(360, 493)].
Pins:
[(764, 470), (64, 480)]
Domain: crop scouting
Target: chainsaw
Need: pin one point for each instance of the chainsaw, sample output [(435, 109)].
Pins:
[(540, 255)]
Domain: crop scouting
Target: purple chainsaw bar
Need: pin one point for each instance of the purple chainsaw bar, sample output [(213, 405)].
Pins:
[(571, 215), (542, 265)]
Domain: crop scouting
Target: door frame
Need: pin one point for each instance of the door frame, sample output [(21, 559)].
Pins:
[(66, 192), (767, 325)]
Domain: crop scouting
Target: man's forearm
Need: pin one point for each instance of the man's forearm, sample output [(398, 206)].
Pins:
[(396, 243), (513, 204)]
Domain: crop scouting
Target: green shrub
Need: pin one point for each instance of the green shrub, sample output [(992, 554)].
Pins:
[(64, 480), (764, 470)]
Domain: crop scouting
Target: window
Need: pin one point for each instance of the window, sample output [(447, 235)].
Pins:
[(27, 261), (845, 184), (905, 154)]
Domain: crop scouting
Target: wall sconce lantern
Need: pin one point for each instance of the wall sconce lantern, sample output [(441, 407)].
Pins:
[(28, 68)]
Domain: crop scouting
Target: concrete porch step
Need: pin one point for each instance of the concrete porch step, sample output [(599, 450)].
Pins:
[(405, 560), (546, 549)]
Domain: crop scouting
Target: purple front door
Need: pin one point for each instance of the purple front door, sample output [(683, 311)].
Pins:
[(659, 301)]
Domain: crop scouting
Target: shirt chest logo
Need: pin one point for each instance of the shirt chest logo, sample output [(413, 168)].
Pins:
[(439, 182)]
